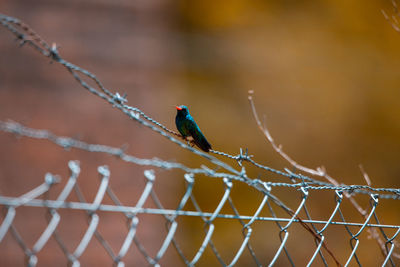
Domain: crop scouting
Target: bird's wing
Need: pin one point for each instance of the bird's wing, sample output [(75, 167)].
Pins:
[(181, 126), (198, 138)]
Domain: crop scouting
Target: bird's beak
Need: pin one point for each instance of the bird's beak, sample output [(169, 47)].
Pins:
[(178, 108)]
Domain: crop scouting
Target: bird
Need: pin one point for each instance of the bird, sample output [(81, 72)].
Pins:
[(188, 127)]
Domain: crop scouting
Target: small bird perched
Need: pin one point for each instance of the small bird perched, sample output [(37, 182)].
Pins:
[(188, 127)]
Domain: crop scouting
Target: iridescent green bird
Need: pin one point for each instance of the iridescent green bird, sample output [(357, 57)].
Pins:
[(188, 127)]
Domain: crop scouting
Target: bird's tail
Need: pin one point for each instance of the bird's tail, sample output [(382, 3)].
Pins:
[(202, 142)]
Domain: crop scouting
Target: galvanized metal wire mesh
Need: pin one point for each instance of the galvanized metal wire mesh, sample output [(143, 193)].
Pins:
[(273, 210)]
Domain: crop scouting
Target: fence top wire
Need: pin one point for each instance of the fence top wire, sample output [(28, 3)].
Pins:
[(310, 184), (229, 174)]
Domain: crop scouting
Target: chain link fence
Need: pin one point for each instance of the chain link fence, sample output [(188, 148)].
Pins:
[(275, 233)]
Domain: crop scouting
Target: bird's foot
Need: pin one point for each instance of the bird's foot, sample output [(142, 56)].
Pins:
[(190, 143)]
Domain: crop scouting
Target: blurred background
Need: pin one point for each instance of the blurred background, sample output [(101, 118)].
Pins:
[(325, 75)]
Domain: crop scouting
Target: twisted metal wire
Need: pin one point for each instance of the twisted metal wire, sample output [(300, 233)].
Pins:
[(32, 199)]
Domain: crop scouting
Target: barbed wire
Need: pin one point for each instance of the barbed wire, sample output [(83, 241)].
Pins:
[(67, 142), (135, 113), (229, 176)]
